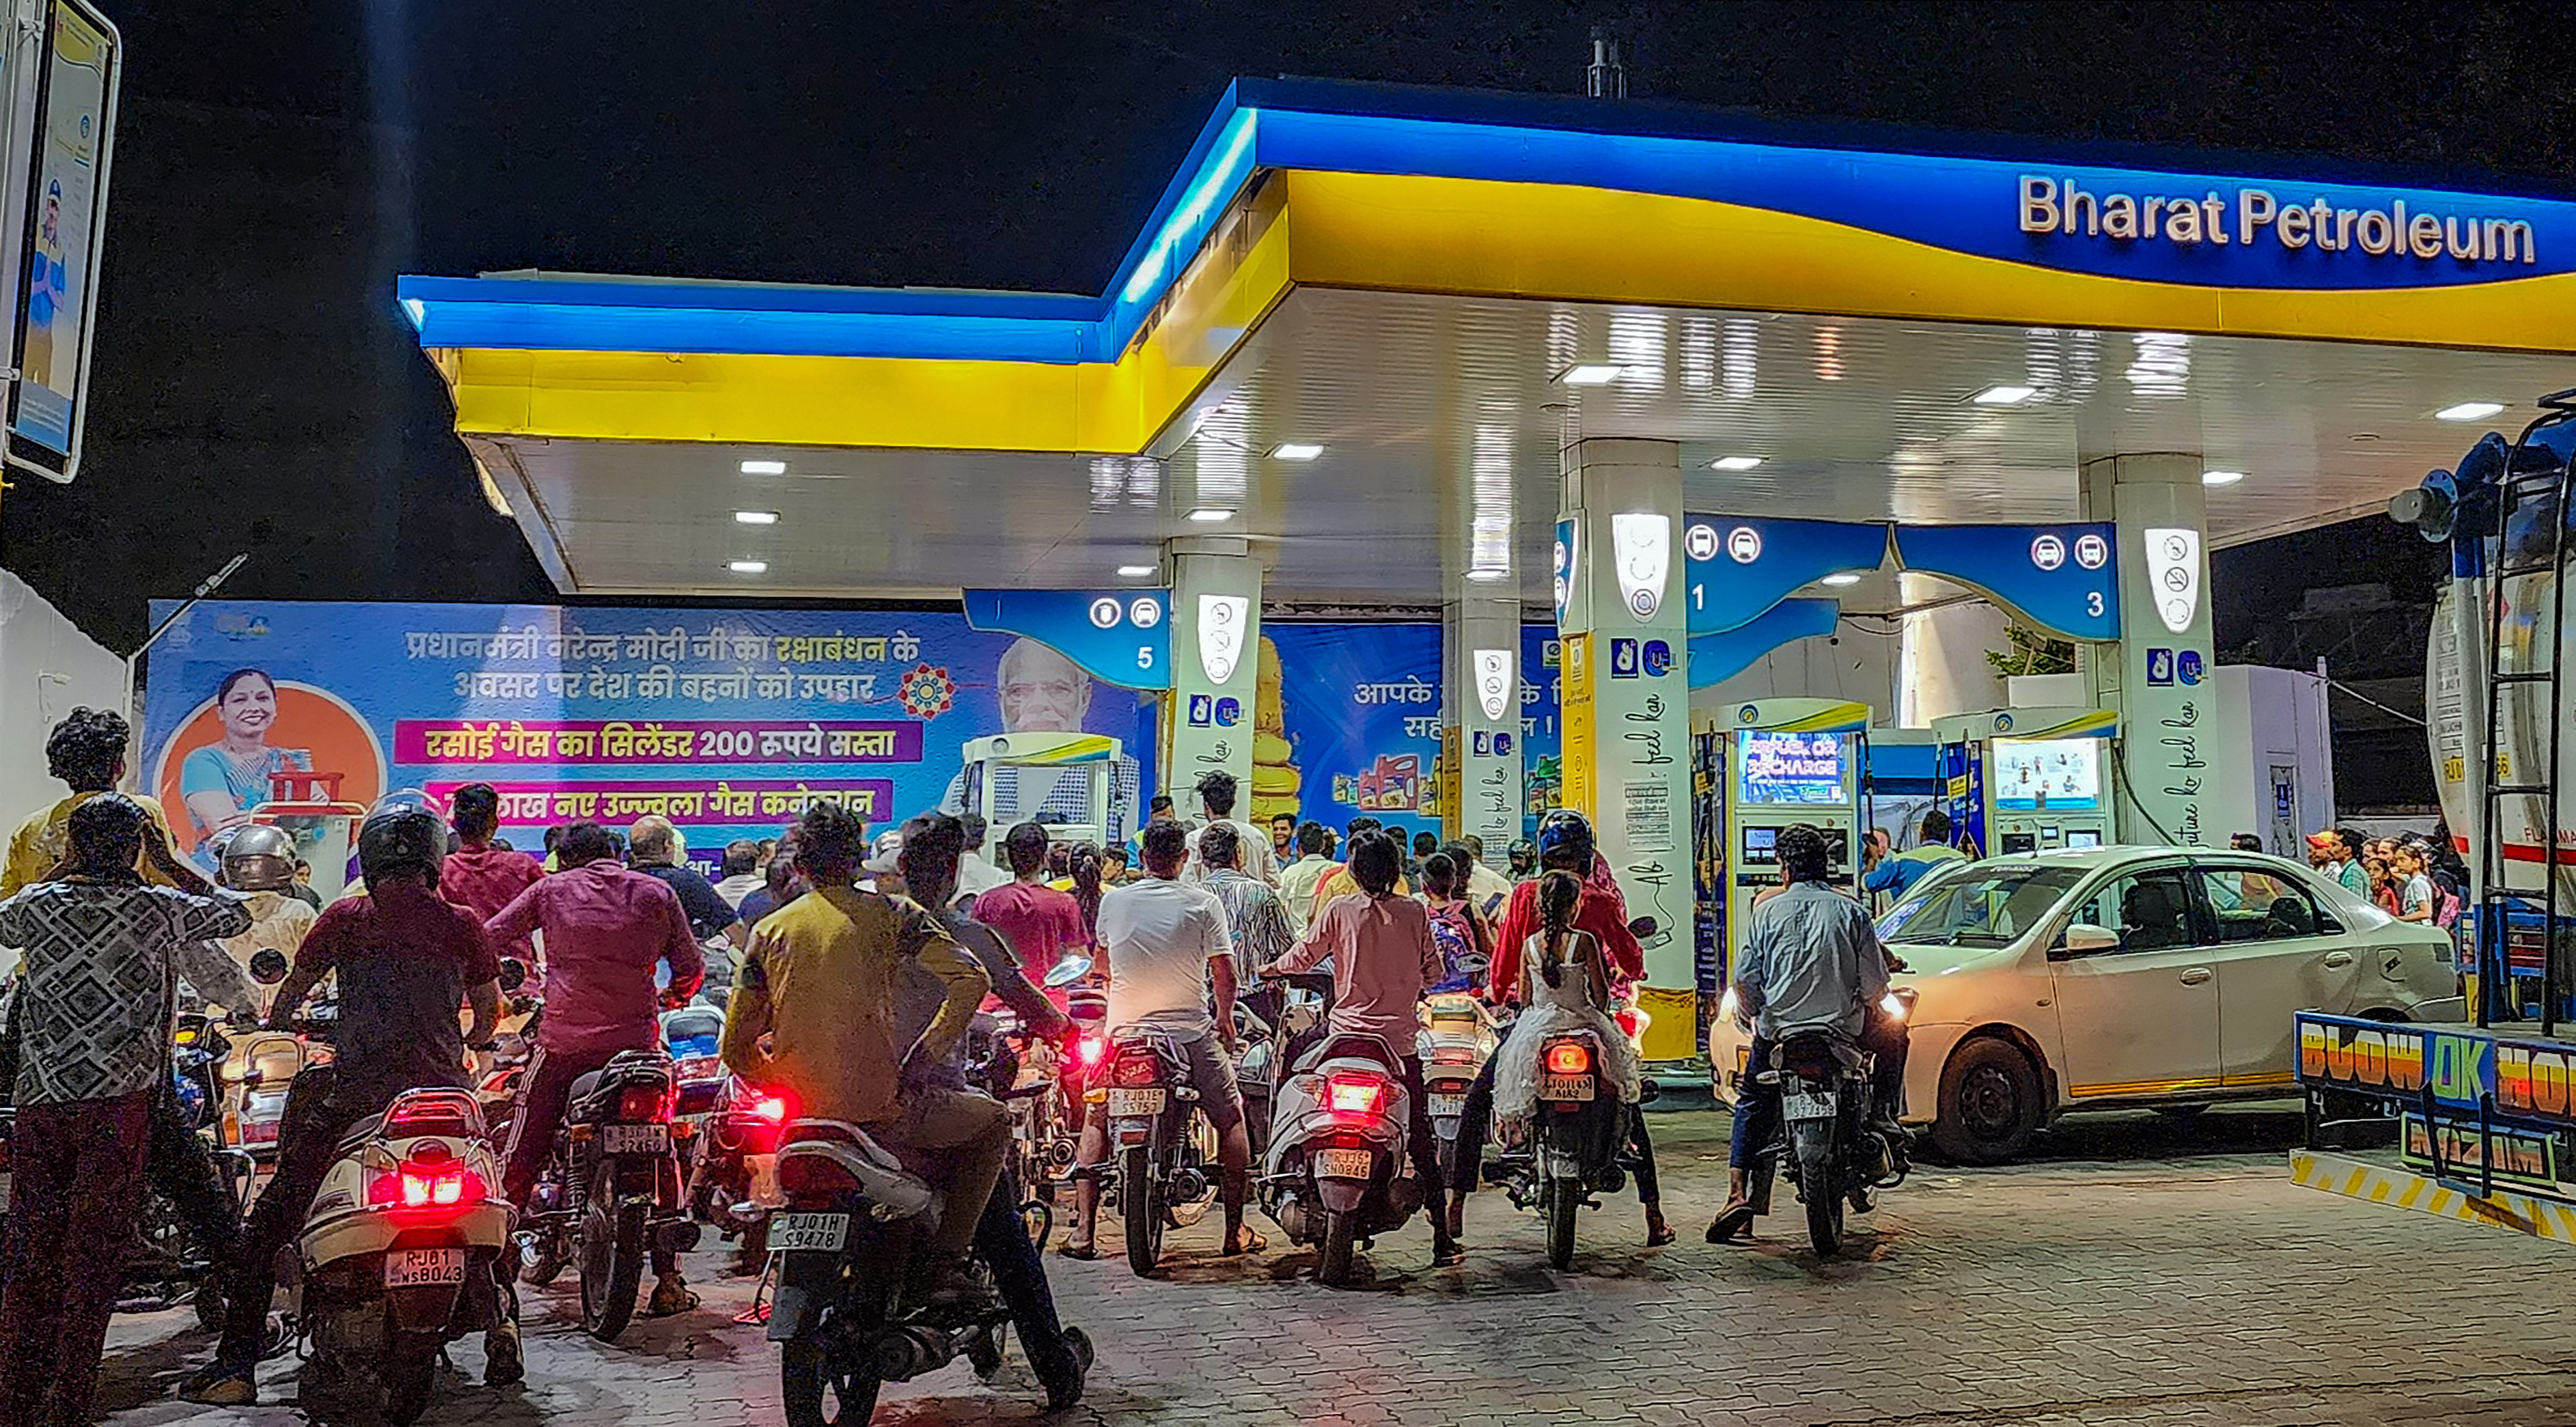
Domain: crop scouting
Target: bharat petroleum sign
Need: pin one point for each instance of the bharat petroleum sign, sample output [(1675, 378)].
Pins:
[(2062, 207)]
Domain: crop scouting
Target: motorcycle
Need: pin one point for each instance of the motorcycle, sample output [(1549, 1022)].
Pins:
[(1456, 1040), (732, 1183), (610, 1190), (398, 1249), (1337, 1169), (691, 1035), (1577, 1143), (1836, 1153), (842, 1314), (1166, 1150)]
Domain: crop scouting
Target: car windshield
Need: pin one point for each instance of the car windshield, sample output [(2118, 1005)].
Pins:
[(1978, 907)]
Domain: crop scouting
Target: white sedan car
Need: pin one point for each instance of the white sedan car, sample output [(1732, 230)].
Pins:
[(2125, 976)]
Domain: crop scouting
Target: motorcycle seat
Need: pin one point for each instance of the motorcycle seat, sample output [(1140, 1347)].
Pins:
[(1352, 1045), (843, 1152)]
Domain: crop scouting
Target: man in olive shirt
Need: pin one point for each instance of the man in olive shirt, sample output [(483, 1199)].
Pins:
[(822, 979)]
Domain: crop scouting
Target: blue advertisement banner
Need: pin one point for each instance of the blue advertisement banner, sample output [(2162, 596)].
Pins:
[(1121, 637), (726, 721), (1358, 726), (2060, 577), (1738, 567)]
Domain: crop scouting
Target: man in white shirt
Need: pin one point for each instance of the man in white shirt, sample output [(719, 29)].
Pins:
[(1216, 796), (742, 874), (1298, 881), (976, 873), (1169, 947)]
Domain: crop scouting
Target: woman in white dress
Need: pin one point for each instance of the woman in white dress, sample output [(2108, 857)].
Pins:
[(1566, 986)]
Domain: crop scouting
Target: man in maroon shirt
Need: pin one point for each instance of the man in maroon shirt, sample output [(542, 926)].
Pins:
[(607, 927), (1037, 921), (480, 877)]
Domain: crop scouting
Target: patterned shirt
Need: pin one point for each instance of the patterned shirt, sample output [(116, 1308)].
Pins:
[(1262, 930), (103, 964)]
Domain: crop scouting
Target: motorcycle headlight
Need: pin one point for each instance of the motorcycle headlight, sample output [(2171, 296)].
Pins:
[(1893, 1006)]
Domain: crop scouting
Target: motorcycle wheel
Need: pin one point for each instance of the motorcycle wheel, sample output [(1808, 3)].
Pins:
[(1812, 1141), (1333, 1270), (411, 1366), (1561, 1200), (1140, 1203), (612, 1257), (807, 1371)]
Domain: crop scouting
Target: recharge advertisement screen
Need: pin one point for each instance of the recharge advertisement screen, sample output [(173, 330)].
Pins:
[(1792, 769), (2062, 773)]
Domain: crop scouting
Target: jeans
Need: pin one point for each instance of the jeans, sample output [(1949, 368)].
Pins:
[(544, 1093), (1421, 1140), (1757, 1111), (308, 1143), (74, 1203), (178, 1166), (1019, 1275)]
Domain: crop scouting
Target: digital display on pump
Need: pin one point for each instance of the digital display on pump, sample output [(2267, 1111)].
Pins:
[(1792, 769), (2055, 773)]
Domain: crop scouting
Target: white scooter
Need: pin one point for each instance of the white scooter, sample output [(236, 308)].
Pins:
[(398, 1248), (1456, 1039), (1337, 1170)]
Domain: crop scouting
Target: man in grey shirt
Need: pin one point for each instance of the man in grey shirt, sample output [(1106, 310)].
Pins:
[(1811, 962)]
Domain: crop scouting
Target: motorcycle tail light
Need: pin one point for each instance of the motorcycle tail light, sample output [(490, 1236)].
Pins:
[(1355, 1094), (641, 1102), (414, 1185), (1090, 1049), (1140, 1069), (1569, 1058), (772, 1108)]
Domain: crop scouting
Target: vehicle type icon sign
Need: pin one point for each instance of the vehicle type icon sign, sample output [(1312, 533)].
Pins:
[(1744, 544), (1700, 541), (1105, 612), (2092, 551), (2048, 552)]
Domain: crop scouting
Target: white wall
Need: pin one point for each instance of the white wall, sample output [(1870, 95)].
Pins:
[(47, 668), (2265, 719), (1943, 670)]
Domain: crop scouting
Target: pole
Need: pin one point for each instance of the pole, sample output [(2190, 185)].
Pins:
[(134, 661)]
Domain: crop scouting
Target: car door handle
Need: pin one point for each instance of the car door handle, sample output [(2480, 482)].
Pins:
[(2338, 959), (2196, 976)]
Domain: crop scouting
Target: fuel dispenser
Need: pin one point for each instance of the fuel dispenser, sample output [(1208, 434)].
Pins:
[(2028, 780), (1066, 781), (1782, 762)]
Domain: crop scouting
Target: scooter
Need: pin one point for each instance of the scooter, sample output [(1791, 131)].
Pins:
[(1578, 1134), (398, 1250), (611, 1189), (1337, 1171), (843, 1316), (1456, 1040)]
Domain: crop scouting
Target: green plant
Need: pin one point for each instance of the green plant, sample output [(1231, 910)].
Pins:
[(2027, 651)]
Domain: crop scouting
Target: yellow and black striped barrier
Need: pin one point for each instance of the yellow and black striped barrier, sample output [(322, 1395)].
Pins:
[(2403, 1188)]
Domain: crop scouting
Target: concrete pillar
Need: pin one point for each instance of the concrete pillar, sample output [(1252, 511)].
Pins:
[(1627, 690), (2158, 676), (1216, 664), (1481, 696)]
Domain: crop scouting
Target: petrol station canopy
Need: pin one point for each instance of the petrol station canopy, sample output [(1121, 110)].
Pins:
[(1439, 289)]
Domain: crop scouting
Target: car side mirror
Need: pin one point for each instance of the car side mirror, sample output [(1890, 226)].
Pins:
[(2082, 937), (268, 966)]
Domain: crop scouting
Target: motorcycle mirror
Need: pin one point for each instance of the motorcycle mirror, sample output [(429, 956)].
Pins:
[(1074, 967), (1642, 928), (268, 966), (514, 973)]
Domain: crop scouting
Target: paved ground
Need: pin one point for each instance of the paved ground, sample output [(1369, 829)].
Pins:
[(2139, 1273)]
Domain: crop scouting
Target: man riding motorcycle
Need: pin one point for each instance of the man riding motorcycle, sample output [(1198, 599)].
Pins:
[(405, 959), (1565, 843), (607, 928), (1811, 960), (823, 979), (933, 848)]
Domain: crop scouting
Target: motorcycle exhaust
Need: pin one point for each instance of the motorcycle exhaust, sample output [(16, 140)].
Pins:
[(907, 1353)]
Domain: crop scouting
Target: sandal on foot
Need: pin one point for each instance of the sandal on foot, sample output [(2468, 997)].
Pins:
[(1251, 1243), (1732, 1224), (1085, 1252)]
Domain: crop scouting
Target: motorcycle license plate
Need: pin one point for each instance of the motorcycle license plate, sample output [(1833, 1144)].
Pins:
[(808, 1233), (1799, 1105), (1126, 1103), (424, 1268), (635, 1139), (1343, 1164), (1448, 1104), (1564, 1087)]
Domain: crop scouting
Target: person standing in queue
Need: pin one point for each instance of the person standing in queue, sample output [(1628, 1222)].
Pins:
[(1039, 922), (932, 855), (1339, 882), (405, 959), (1263, 930), (1384, 960), (744, 859), (1896, 872), (824, 981), (607, 929), (1299, 880), (1811, 960), (1283, 839), (103, 949), (1217, 793), (1564, 844), (480, 876), (1169, 948), (781, 882), (653, 848)]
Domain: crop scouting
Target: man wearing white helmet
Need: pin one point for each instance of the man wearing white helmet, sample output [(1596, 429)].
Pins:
[(259, 862)]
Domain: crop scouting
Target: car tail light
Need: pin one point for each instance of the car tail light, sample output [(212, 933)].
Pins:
[(414, 1185), (641, 1102), (1355, 1094), (1569, 1058)]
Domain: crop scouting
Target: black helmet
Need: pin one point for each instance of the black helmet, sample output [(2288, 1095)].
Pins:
[(1565, 840), (400, 840)]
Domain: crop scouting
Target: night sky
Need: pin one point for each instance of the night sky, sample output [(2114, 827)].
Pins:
[(279, 164)]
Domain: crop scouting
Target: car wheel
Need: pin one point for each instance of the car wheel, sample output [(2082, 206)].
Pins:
[(1990, 1102)]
